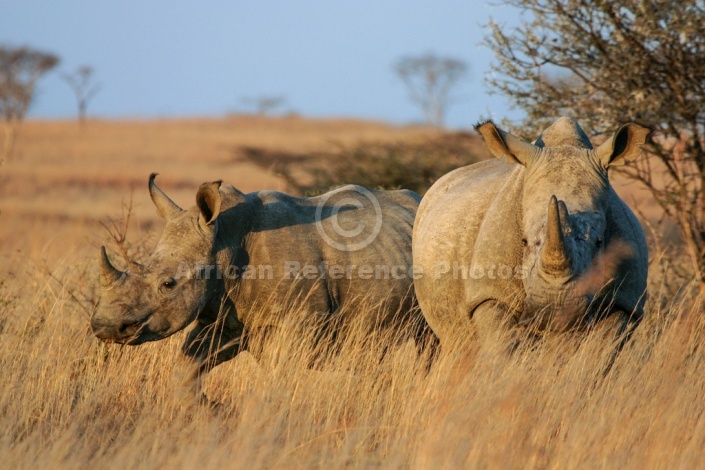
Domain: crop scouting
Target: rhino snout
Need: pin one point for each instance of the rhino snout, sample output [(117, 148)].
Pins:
[(125, 331)]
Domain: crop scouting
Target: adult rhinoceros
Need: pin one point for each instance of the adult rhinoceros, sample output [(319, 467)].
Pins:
[(242, 260), (539, 238)]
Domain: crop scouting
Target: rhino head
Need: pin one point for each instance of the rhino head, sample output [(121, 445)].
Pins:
[(569, 253), (155, 300)]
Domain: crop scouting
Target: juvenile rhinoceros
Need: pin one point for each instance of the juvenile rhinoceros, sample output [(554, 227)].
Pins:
[(244, 259), (538, 239)]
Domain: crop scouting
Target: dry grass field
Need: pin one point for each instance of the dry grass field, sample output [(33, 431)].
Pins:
[(70, 401)]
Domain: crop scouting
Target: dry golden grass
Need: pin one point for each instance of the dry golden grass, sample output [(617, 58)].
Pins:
[(69, 401)]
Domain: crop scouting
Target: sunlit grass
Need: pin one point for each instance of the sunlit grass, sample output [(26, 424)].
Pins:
[(69, 400)]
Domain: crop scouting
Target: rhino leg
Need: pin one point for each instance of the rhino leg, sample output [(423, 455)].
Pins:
[(207, 345), (188, 381), (617, 328), (494, 324)]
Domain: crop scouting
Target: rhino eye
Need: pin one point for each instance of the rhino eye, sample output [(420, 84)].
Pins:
[(599, 242), (524, 242)]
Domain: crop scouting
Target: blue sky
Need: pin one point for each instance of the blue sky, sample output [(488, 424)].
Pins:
[(184, 58)]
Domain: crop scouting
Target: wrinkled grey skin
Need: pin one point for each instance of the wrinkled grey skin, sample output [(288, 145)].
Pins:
[(547, 242), (230, 230)]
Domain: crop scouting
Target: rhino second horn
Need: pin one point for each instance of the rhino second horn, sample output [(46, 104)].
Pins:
[(554, 259), (564, 216), (109, 275), (165, 206)]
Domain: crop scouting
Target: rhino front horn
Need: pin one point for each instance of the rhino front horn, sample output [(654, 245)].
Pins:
[(166, 208), (109, 275), (554, 259)]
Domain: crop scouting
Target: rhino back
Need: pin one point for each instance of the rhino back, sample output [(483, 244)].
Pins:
[(291, 234), (467, 224), (382, 249)]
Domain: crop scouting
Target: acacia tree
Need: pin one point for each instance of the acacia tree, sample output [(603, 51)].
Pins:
[(610, 62), (20, 68), (264, 105), (429, 80), (81, 83)]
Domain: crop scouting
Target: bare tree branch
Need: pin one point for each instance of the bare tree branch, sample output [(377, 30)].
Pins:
[(117, 229)]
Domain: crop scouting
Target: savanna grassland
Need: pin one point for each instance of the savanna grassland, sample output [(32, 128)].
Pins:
[(70, 401)]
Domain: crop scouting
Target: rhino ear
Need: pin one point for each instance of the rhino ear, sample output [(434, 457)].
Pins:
[(624, 146), (166, 208), (504, 144), (208, 200)]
